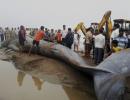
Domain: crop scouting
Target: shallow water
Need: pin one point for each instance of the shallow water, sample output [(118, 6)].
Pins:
[(17, 85)]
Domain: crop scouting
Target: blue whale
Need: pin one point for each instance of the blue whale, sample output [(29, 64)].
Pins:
[(109, 76)]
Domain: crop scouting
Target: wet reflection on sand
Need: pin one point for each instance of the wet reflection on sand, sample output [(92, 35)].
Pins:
[(19, 85), (37, 82), (20, 78)]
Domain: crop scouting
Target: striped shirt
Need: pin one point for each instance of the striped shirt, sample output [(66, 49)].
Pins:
[(122, 42)]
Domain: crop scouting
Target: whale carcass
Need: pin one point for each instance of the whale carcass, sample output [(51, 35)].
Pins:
[(109, 76)]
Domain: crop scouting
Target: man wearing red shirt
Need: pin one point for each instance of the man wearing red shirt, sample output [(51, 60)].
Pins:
[(59, 37), (39, 36)]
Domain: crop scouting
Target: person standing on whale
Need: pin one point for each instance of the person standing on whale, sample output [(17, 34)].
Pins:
[(22, 36), (39, 35)]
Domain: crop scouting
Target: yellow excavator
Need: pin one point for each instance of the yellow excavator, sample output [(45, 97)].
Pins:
[(106, 23), (124, 24), (106, 20), (81, 27), (94, 26)]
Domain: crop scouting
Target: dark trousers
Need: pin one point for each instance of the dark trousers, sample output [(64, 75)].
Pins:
[(88, 48), (98, 55), (36, 43), (63, 41), (2, 37), (69, 45), (37, 46), (128, 43)]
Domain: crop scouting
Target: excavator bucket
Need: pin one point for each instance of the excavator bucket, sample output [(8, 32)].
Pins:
[(78, 27), (104, 19), (81, 27)]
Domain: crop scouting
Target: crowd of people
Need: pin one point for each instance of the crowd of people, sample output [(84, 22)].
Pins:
[(6, 34), (65, 37), (97, 44), (103, 45)]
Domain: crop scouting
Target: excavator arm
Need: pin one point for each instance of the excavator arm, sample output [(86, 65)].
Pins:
[(110, 27), (106, 20)]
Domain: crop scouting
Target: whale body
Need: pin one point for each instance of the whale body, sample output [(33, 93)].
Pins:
[(109, 76)]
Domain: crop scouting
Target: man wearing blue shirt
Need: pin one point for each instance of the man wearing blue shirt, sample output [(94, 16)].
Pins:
[(122, 40)]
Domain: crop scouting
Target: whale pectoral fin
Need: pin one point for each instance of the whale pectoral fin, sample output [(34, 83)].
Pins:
[(92, 70)]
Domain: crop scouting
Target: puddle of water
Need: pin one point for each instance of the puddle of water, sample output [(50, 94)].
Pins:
[(16, 85)]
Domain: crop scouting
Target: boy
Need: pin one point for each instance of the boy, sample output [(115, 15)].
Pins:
[(115, 47)]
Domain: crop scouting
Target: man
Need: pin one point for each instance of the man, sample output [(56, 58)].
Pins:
[(128, 42), (99, 42), (115, 47), (47, 34), (115, 31), (76, 41), (39, 35), (22, 35), (52, 35), (13, 33), (7, 34), (88, 42), (128, 36), (64, 33), (122, 40), (59, 37), (1, 34), (69, 39)]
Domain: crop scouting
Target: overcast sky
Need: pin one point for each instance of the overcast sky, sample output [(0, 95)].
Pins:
[(55, 13)]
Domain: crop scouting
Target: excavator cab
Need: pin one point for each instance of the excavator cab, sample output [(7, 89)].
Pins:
[(124, 24), (94, 26)]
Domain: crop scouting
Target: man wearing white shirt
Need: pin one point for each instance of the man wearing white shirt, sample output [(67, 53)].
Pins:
[(122, 40), (99, 43), (114, 33), (64, 33)]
